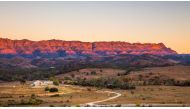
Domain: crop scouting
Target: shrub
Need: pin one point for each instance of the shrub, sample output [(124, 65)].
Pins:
[(73, 75), (56, 82), (93, 73), (33, 96), (67, 101), (89, 89), (86, 73), (34, 101), (46, 89), (140, 77), (118, 74), (31, 101), (182, 83), (51, 105), (53, 90), (77, 105), (138, 105), (67, 78), (11, 102), (118, 105), (132, 92), (127, 71), (56, 95)]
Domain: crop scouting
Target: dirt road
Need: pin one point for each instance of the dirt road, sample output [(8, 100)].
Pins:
[(94, 103)]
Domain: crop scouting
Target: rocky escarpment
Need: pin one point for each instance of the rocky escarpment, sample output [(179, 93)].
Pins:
[(62, 48)]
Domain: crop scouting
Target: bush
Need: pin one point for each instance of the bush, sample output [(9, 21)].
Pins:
[(67, 101), (31, 101), (77, 105), (22, 81), (56, 82), (127, 71), (33, 96), (118, 105), (93, 73), (56, 95), (67, 78), (53, 90), (73, 75), (132, 92), (51, 105), (46, 89), (182, 83), (34, 101), (118, 74), (138, 105), (89, 89), (11, 102)]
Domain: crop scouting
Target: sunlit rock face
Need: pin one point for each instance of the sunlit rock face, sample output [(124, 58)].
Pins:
[(62, 48)]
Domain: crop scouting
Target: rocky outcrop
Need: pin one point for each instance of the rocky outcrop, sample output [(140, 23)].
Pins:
[(27, 47)]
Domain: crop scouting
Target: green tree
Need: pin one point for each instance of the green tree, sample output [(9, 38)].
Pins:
[(55, 80), (53, 89)]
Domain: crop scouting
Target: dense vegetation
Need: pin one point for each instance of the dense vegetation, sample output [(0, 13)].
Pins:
[(104, 82), (53, 89)]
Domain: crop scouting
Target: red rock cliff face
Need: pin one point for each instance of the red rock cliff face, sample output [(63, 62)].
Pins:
[(8, 46)]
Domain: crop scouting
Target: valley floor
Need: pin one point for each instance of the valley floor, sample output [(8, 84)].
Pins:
[(13, 94)]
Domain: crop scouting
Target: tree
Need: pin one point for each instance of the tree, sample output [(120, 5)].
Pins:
[(53, 89), (55, 80), (93, 73), (22, 81), (140, 77), (127, 71), (67, 78), (33, 96), (73, 75)]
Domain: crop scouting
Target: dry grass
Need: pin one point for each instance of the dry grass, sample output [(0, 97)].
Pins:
[(67, 95), (153, 94), (75, 95), (175, 72), (178, 72), (86, 73)]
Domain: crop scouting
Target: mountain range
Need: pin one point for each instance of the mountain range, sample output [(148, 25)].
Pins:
[(61, 48), (25, 59)]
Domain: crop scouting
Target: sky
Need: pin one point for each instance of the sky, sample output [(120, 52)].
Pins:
[(145, 22)]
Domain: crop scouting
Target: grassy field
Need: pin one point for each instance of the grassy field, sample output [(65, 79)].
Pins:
[(16, 94), (12, 94), (178, 72), (153, 95)]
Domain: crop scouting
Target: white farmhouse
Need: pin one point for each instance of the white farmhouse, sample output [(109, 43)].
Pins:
[(39, 83)]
